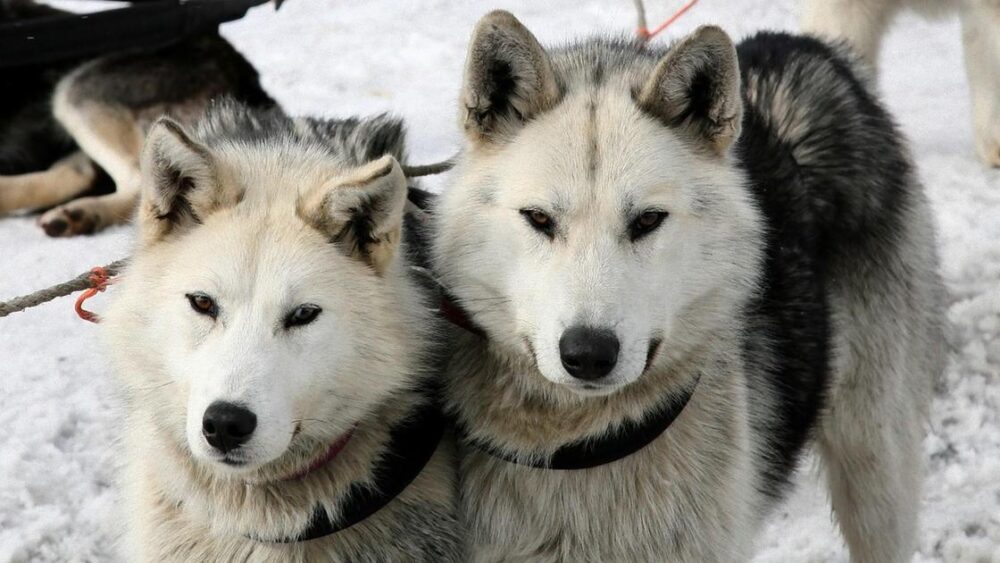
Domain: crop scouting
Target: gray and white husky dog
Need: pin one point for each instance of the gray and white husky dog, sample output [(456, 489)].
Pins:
[(273, 350), (684, 265)]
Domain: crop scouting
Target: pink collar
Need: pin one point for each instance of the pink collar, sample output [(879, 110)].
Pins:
[(335, 448)]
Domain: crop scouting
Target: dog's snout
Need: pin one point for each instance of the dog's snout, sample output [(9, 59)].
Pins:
[(227, 426), (588, 353)]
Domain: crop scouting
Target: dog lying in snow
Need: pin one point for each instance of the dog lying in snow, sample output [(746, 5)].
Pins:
[(75, 128)]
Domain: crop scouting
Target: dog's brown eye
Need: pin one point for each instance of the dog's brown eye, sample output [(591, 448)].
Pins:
[(538, 218), (646, 223), (539, 221), (203, 304), (649, 219), (302, 315)]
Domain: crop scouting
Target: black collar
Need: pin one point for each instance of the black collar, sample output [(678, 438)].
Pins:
[(411, 445), (601, 450)]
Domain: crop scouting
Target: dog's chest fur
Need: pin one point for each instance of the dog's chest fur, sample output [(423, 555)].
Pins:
[(694, 481)]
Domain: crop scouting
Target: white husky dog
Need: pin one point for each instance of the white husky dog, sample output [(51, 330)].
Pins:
[(273, 350), (863, 23), (684, 265)]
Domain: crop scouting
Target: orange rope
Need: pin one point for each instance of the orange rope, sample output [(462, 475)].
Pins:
[(99, 281), (645, 34)]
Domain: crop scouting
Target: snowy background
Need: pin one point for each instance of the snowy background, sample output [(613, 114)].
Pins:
[(58, 408)]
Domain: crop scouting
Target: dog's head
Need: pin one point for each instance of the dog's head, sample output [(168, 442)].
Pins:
[(597, 209), (266, 310)]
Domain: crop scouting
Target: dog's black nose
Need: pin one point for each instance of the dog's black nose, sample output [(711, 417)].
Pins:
[(227, 426), (588, 353)]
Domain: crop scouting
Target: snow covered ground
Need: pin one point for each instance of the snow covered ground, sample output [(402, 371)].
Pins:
[(59, 411)]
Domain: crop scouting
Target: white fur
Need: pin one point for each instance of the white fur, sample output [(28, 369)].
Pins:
[(591, 274)]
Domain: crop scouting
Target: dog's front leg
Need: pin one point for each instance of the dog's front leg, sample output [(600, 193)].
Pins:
[(37, 190), (861, 22), (981, 41)]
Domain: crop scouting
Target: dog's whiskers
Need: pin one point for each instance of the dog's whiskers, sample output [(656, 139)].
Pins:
[(301, 420), (155, 387)]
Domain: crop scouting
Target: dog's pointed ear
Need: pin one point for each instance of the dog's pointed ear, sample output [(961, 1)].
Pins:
[(361, 211), (179, 183), (696, 88), (508, 78)]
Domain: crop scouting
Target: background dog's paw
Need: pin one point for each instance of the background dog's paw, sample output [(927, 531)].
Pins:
[(988, 149), (70, 220)]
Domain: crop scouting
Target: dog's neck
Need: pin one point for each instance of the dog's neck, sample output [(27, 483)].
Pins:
[(619, 442), (411, 444), (502, 415)]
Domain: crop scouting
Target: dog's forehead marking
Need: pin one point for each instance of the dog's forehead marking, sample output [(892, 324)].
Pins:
[(609, 166), (595, 153), (591, 134)]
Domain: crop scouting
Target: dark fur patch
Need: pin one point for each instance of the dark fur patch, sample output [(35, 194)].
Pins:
[(831, 188), (597, 74), (593, 146), (500, 85), (700, 98), (359, 232), (199, 68), (180, 209)]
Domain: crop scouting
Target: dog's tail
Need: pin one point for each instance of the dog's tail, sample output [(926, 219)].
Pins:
[(823, 131)]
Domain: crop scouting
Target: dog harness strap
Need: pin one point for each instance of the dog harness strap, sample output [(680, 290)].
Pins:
[(594, 452), (411, 445)]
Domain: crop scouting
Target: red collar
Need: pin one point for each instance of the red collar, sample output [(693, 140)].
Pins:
[(458, 317), (335, 448)]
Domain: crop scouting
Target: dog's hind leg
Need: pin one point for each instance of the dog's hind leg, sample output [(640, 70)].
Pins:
[(66, 178), (870, 443), (981, 41), (888, 352), (861, 22), (113, 138)]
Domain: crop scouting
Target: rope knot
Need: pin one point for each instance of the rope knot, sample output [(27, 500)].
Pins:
[(100, 279)]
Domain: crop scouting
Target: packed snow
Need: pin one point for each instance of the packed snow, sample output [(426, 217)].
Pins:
[(59, 412)]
